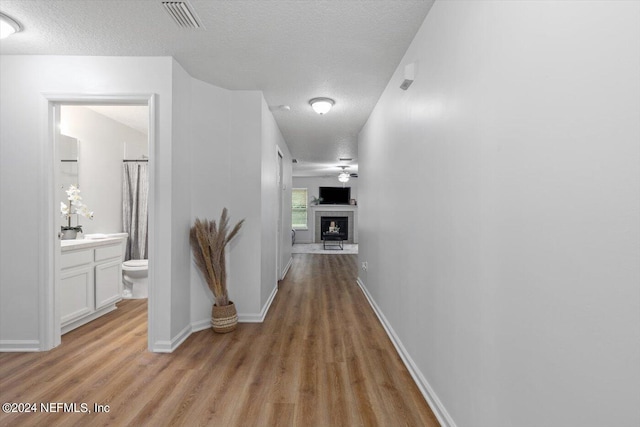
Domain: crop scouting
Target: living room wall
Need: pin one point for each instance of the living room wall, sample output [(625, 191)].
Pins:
[(312, 183)]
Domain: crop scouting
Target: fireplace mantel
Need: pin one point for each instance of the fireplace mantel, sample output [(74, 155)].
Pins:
[(333, 207)]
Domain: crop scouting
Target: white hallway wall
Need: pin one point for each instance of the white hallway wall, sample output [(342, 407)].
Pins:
[(210, 173), (513, 285), (245, 135), (232, 133), (240, 175), (181, 196), (185, 182), (25, 255), (273, 142)]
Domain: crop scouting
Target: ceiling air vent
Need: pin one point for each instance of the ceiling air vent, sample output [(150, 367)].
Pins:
[(181, 13)]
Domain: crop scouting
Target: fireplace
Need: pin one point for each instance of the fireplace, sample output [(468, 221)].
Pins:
[(330, 223), (341, 218)]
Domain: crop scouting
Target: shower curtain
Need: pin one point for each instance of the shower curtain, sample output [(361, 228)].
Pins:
[(135, 196)]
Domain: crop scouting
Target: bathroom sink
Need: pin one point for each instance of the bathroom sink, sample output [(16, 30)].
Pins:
[(74, 242)]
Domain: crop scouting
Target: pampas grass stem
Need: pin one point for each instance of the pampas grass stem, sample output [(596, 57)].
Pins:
[(208, 241)]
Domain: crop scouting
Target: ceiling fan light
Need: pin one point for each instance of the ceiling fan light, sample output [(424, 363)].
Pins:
[(344, 175), (8, 26), (321, 105)]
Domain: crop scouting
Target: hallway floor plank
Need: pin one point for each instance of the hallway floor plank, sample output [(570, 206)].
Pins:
[(321, 358)]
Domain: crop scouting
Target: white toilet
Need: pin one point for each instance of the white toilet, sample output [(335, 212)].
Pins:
[(135, 274)]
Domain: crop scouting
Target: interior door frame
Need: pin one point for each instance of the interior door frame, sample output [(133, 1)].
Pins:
[(279, 221), (50, 333)]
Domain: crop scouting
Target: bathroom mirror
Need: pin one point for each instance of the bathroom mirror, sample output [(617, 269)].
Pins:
[(68, 170)]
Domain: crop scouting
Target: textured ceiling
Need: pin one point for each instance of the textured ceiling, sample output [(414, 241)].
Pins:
[(291, 50)]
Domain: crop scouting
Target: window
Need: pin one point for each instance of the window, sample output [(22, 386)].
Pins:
[(299, 208)]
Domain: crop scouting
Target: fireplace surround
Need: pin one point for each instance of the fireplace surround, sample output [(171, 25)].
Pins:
[(328, 215)]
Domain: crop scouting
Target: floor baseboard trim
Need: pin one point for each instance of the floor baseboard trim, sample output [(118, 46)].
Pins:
[(286, 269), (19, 345), (163, 346), (200, 325), (258, 317), (430, 396)]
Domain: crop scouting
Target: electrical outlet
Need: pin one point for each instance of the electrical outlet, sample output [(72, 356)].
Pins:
[(365, 265)]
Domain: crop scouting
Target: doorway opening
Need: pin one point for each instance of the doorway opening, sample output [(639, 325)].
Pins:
[(280, 201), (103, 189)]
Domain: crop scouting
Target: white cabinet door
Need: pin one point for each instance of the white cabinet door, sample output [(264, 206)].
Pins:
[(76, 293), (108, 283)]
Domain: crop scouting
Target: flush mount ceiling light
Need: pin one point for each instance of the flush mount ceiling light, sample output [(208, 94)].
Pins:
[(8, 26), (321, 105)]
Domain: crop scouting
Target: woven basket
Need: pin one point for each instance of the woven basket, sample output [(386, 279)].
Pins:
[(224, 319)]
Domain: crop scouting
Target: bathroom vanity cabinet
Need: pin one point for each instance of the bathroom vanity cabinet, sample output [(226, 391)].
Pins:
[(90, 280)]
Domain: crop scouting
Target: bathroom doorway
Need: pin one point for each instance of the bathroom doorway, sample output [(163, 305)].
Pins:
[(102, 148)]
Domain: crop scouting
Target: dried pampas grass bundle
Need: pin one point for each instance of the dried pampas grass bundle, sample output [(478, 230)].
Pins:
[(208, 242)]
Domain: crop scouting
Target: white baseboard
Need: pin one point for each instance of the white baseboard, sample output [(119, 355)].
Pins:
[(84, 320), (201, 325), (286, 269), (304, 242), (430, 396), (19, 345), (169, 346), (258, 318)]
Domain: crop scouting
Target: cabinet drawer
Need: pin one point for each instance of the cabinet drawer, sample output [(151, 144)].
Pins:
[(108, 252), (74, 259)]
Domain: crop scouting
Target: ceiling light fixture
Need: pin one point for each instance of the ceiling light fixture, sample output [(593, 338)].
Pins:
[(8, 26), (344, 175), (322, 105)]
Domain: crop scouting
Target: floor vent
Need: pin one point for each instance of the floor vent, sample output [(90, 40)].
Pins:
[(182, 14)]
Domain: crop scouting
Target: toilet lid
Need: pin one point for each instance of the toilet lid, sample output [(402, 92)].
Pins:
[(136, 263)]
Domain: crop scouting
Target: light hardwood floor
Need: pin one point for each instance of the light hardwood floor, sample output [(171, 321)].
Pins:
[(321, 358)]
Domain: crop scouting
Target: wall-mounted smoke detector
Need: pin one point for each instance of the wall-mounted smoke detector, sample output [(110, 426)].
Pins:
[(409, 76), (281, 107), (182, 14)]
